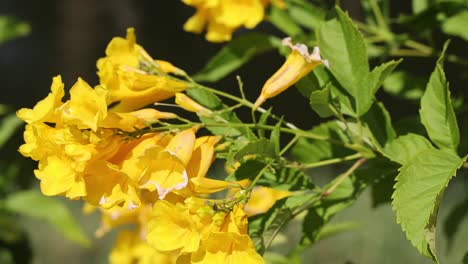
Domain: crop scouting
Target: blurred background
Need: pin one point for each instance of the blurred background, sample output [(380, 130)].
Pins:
[(67, 37)]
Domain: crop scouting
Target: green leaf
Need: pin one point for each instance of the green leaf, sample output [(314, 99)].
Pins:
[(404, 148), (281, 19), (343, 46), (306, 14), (418, 192), (263, 228), (213, 102), (437, 114), (261, 147), (315, 80), (404, 85), (419, 5), (283, 178), (8, 126), (431, 17), (247, 170), (320, 102), (11, 28), (456, 25), (365, 97), (343, 196), (311, 150), (379, 123), (275, 137), (33, 204), (235, 54)]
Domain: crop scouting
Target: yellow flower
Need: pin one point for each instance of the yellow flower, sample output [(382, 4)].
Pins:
[(262, 199), (298, 64), (190, 105), (227, 248), (130, 248), (202, 231), (155, 166), (133, 78), (223, 17), (172, 228), (44, 110)]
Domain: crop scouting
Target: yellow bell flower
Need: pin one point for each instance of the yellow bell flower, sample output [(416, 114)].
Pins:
[(133, 78), (223, 17), (44, 110), (157, 167), (202, 231), (298, 64), (227, 248), (130, 248), (172, 228), (262, 199), (190, 105)]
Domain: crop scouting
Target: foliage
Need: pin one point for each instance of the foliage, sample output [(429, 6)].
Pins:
[(109, 146)]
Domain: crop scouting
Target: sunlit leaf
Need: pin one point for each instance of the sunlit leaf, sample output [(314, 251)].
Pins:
[(437, 114), (418, 192)]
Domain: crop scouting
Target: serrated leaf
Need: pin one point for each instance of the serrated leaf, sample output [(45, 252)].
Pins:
[(420, 185), (320, 102), (32, 203), (281, 19), (379, 123), (456, 25), (365, 97), (235, 54), (437, 114), (311, 150), (406, 147), (343, 46)]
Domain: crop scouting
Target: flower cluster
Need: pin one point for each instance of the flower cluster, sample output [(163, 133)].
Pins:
[(222, 17), (100, 146)]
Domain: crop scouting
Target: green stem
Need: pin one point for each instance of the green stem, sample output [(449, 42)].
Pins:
[(327, 162), (379, 16), (241, 101), (343, 177)]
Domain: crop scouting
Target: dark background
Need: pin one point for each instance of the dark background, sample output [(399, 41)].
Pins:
[(68, 36)]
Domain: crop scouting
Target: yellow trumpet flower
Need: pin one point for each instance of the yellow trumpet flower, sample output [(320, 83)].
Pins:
[(298, 64)]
